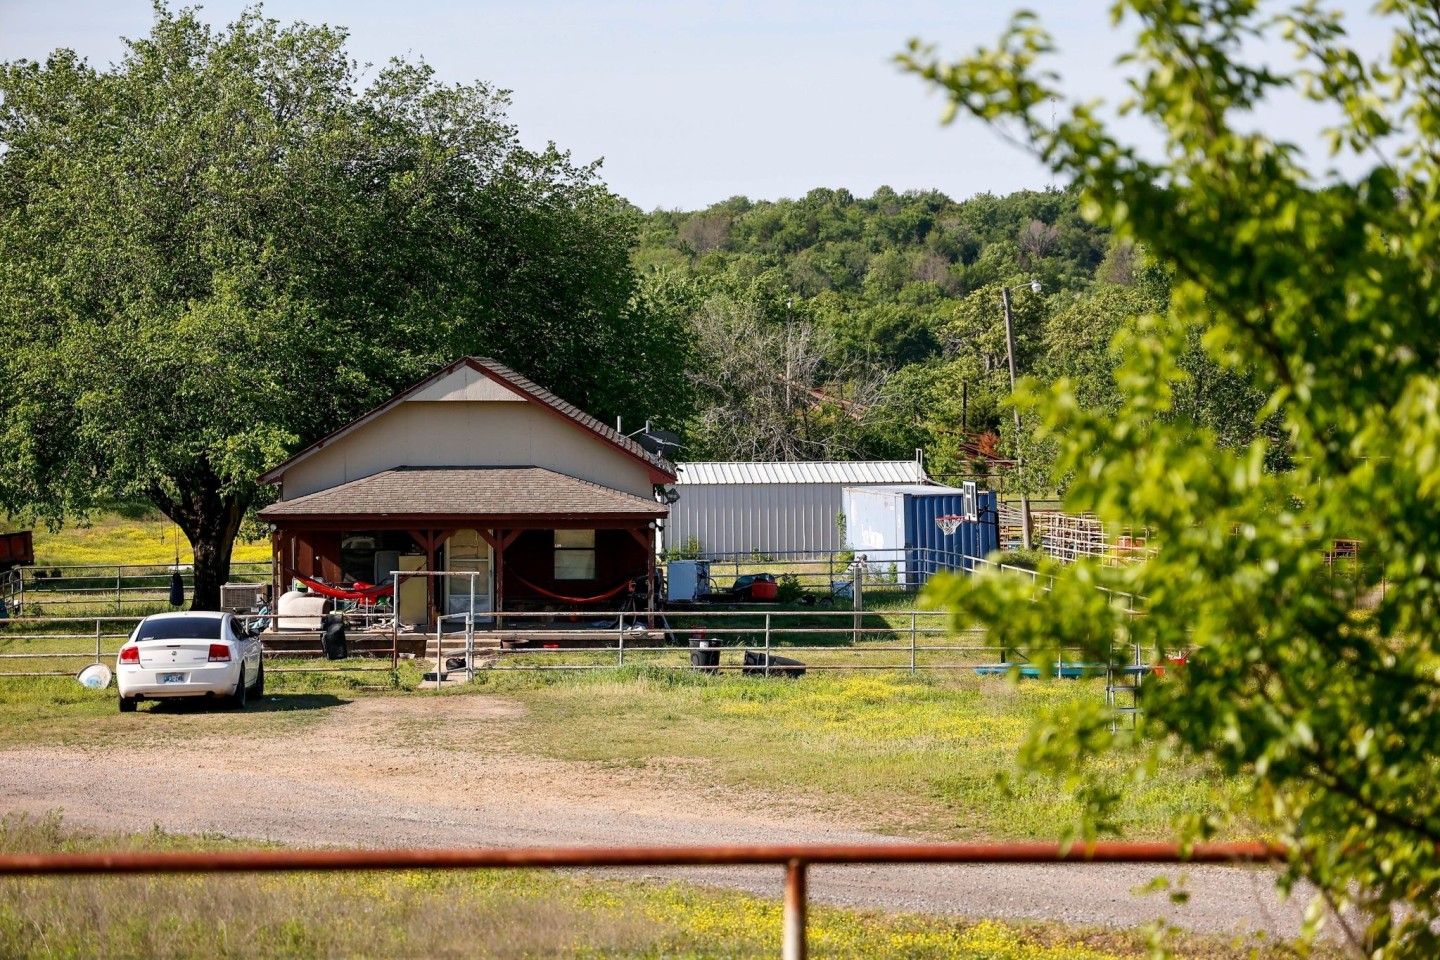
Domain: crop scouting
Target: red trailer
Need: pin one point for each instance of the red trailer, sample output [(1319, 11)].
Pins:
[(16, 550)]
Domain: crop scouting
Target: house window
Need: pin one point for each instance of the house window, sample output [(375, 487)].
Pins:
[(574, 554)]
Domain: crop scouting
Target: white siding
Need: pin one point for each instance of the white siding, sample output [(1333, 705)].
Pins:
[(467, 433), (467, 383)]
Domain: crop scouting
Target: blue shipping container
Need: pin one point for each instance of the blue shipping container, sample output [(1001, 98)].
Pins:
[(897, 529)]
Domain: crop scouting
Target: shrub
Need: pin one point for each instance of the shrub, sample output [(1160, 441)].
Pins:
[(1028, 559), (689, 550)]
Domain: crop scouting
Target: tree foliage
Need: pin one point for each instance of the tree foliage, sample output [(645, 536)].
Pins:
[(767, 385), (220, 249), (880, 281), (1317, 294)]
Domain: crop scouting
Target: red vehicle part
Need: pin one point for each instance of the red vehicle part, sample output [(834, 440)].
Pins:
[(16, 550)]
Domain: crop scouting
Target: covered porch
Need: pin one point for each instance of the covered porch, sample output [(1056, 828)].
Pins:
[(522, 538)]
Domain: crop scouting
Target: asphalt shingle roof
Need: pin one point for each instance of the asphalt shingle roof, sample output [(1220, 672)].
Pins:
[(467, 491)]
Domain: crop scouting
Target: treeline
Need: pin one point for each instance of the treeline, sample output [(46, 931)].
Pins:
[(832, 326)]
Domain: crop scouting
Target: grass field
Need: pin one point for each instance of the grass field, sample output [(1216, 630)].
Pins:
[(919, 753), (131, 536), (916, 755), (471, 914)]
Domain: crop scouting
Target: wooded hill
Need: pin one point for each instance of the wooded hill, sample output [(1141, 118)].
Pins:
[(835, 326)]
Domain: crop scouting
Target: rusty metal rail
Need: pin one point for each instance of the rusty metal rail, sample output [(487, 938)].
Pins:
[(796, 859)]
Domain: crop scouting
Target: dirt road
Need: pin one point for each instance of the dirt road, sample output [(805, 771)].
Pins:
[(458, 779)]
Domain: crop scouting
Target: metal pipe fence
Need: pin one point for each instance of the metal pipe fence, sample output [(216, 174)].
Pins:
[(110, 588), (869, 636), (718, 641), (898, 640), (796, 859), (20, 638), (122, 589), (137, 588)]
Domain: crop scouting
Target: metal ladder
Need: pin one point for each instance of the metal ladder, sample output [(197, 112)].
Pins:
[(1122, 690)]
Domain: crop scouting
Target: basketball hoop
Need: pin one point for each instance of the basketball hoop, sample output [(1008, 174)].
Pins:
[(948, 525)]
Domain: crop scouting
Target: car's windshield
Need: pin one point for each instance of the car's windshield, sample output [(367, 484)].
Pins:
[(180, 628)]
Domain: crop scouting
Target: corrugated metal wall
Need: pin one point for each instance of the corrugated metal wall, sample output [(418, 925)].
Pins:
[(745, 518), (896, 531), (933, 550)]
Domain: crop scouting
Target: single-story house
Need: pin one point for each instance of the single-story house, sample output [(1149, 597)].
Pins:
[(480, 473)]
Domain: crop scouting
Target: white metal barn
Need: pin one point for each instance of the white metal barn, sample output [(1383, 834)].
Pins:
[(735, 508)]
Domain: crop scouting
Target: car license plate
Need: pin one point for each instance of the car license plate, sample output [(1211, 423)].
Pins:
[(172, 678)]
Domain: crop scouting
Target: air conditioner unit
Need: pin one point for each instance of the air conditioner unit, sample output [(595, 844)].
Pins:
[(687, 580), (240, 597)]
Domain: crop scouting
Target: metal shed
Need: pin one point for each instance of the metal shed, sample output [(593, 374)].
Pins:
[(737, 508)]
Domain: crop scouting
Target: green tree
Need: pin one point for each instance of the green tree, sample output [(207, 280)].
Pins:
[(219, 250), (1320, 290)]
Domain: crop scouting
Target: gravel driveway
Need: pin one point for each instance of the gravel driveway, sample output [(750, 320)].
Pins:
[(350, 780)]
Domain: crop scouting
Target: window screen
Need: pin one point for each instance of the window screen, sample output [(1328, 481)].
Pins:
[(574, 554)]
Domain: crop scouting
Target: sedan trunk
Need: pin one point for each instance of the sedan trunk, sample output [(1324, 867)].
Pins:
[(160, 654)]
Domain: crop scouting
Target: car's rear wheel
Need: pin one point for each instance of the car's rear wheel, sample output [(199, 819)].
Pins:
[(259, 690), (127, 704), (237, 699)]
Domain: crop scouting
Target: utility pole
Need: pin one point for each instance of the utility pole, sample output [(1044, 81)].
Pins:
[(1019, 463), (789, 349)]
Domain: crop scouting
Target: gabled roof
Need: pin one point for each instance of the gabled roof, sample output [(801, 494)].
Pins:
[(849, 472), (419, 492), (662, 470)]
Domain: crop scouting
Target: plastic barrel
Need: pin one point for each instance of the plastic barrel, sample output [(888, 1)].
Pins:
[(703, 655)]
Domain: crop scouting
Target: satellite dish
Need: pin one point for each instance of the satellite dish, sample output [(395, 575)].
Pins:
[(659, 442), (671, 496), (94, 677)]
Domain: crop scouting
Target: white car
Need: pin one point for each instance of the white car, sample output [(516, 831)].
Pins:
[(194, 654)]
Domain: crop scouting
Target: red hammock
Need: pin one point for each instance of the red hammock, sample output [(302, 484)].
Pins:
[(555, 596), (361, 591)]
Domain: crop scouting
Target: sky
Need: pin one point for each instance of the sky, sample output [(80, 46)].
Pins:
[(690, 103)]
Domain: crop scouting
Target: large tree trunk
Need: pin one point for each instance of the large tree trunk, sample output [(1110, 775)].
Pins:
[(210, 522)]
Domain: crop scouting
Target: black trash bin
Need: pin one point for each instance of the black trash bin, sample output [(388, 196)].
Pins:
[(755, 663), (705, 654), (333, 640)]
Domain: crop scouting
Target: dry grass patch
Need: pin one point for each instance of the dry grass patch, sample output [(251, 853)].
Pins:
[(493, 914)]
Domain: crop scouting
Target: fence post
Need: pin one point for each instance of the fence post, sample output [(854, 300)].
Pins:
[(912, 641), (117, 591), (439, 652), (97, 639), (621, 621), (394, 625), (470, 642), (470, 634), (767, 644), (857, 574), (792, 945)]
